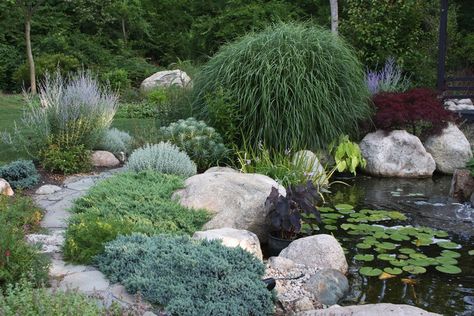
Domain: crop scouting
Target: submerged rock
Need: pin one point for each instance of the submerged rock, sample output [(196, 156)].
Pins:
[(462, 185), (450, 150), (381, 309), (396, 154), (328, 286)]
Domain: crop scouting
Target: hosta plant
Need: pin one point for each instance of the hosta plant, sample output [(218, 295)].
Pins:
[(347, 155), (285, 212), (201, 142)]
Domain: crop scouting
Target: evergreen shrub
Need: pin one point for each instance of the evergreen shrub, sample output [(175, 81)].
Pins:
[(20, 174)]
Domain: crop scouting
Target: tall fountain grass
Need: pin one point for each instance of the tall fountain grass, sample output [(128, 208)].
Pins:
[(293, 85)]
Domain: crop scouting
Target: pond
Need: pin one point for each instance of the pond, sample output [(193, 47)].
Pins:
[(424, 262)]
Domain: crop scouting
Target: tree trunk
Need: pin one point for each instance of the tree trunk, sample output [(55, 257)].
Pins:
[(334, 16), (29, 53), (124, 31)]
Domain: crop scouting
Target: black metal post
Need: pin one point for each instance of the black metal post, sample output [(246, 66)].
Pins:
[(443, 33)]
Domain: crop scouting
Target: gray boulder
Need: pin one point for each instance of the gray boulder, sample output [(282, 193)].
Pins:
[(312, 165), (462, 185), (320, 251), (396, 154), (328, 286), (236, 200), (47, 189), (451, 149), (232, 238), (381, 309), (5, 188), (165, 79), (102, 158)]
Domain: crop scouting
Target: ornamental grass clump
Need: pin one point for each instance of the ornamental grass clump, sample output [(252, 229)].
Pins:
[(163, 157), (68, 112), (293, 85), (188, 277)]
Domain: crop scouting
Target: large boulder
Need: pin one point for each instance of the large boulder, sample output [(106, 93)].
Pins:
[(320, 251), (381, 309), (101, 158), (310, 162), (396, 154), (328, 286), (5, 188), (235, 200), (451, 149), (165, 79), (232, 238)]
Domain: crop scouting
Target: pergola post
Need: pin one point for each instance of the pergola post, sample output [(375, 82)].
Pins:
[(443, 34)]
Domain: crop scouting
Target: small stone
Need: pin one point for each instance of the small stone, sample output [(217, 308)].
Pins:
[(119, 292), (465, 101), (449, 103), (328, 286), (48, 189), (59, 268), (5, 188), (49, 243), (102, 158), (303, 304), (281, 264)]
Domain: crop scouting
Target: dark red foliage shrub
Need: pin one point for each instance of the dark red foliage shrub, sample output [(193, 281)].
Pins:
[(418, 111)]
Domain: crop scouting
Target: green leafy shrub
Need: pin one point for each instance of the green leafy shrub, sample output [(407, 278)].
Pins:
[(45, 64), (201, 142), (24, 299), (470, 166), (137, 110), (347, 155), (117, 79), (17, 258), (126, 203), (171, 103), (116, 141), (162, 157), (295, 86), (20, 174), (188, 277), (72, 112), (66, 159)]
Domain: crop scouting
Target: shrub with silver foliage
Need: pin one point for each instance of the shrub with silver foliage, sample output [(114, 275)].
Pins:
[(116, 141), (162, 157)]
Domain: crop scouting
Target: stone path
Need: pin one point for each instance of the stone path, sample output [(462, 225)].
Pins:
[(56, 201)]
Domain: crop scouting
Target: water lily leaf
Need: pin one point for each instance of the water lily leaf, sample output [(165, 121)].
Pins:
[(471, 252), (362, 257), (369, 271), (396, 215), (452, 254), (441, 234), (422, 242), (419, 262), (363, 246), (417, 255), (414, 269), (331, 215), (385, 276), (379, 235), (387, 245), (402, 256), (393, 271), (346, 226), (343, 207), (325, 209), (399, 263), (345, 212), (406, 251), (449, 269), (448, 245), (330, 227), (385, 256), (356, 232), (446, 260), (399, 237)]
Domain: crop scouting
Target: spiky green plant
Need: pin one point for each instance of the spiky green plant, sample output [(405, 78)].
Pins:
[(294, 85)]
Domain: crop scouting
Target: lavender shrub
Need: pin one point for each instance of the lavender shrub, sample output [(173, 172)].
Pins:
[(388, 79)]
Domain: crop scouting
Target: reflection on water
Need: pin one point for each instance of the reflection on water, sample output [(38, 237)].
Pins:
[(425, 202)]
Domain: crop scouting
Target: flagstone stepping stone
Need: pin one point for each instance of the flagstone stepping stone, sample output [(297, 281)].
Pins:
[(86, 282)]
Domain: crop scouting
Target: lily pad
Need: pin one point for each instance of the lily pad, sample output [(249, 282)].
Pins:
[(407, 251), (422, 242), (324, 209), (363, 246), (386, 256), (399, 237), (448, 245), (449, 269), (369, 271), (471, 252), (446, 260), (441, 234), (393, 271), (414, 269), (380, 235), (452, 254), (343, 207), (419, 262), (387, 245), (347, 226), (330, 227), (399, 263), (331, 215), (361, 257), (417, 255)]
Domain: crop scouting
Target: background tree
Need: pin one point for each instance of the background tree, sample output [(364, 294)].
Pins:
[(334, 15)]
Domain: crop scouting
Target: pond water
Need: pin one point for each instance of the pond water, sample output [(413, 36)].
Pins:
[(424, 203)]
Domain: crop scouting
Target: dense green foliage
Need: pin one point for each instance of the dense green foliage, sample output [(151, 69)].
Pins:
[(188, 277), (295, 86), (19, 216), (162, 157), (201, 142), (347, 155), (20, 174), (65, 159), (126, 203), (24, 299)]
